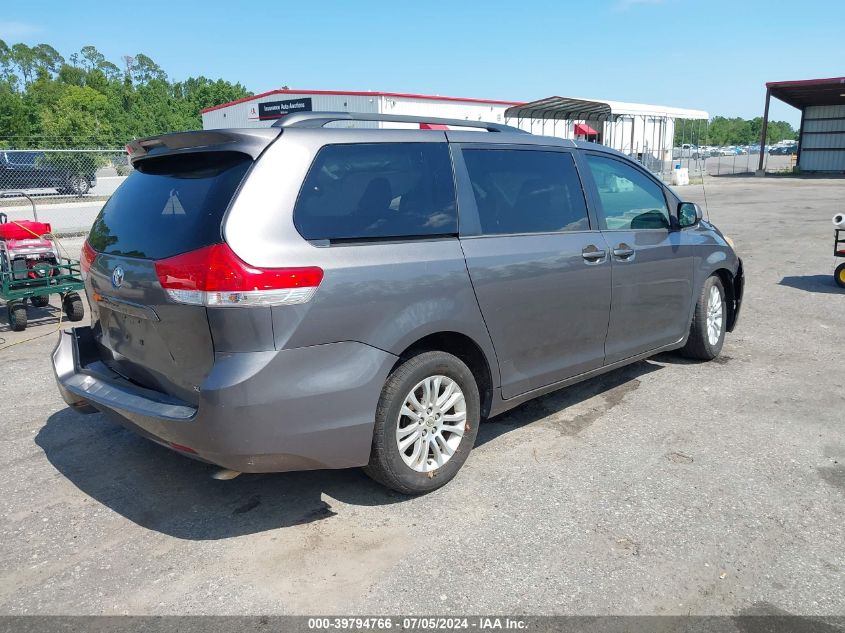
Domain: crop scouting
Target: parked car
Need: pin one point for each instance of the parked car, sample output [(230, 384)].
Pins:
[(783, 149), (36, 170), (727, 151), (690, 151), (301, 297)]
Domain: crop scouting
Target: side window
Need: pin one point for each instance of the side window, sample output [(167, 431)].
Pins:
[(526, 191), (629, 199), (375, 190)]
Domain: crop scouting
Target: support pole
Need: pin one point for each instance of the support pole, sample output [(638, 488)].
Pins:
[(764, 132)]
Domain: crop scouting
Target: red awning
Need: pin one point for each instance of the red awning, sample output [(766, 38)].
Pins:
[(584, 129)]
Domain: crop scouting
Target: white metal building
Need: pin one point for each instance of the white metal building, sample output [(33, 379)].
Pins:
[(646, 131), (263, 109)]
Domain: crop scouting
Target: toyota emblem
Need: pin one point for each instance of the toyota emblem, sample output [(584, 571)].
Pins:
[(117, 276)]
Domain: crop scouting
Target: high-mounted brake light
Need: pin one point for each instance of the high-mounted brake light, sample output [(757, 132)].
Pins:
[(87, 258), (215, 276)]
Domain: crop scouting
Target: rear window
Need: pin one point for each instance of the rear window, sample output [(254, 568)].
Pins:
[(378, 190), (169, 205)]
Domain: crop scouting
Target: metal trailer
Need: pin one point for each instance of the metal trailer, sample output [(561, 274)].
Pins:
[(56, 275)]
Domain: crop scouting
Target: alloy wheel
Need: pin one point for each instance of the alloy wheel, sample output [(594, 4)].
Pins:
[(431, 423), (715, 316)]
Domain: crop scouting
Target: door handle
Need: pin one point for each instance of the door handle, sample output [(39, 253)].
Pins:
[(592, 254), (623, 251)]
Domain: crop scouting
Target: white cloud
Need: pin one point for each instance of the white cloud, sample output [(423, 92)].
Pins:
[(16, 31)]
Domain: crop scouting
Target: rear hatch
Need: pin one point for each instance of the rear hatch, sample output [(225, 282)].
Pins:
[(173, 203)]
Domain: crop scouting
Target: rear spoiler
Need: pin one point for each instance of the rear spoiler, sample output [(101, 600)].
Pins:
[(245, 141)]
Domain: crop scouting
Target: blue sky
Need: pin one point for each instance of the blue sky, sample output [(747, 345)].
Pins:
[(714, 55)]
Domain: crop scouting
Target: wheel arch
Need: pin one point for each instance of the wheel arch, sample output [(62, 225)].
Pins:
[(468, 351), (733, 293)]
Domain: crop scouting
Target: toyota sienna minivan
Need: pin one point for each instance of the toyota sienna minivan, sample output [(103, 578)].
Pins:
[(303, 296)]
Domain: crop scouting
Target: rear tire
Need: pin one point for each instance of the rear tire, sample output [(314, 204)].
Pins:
[(78, 185), (17, 316), (707, 331), (73, 307), (839, 275), (40, 301), (429, 404)]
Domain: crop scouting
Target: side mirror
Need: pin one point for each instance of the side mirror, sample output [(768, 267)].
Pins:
[(689, 214)]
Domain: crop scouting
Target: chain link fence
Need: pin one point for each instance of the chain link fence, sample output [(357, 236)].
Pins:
[(55, 174), (66, 188)]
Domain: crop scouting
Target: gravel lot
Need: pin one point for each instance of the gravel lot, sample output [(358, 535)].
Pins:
[(667, 487)]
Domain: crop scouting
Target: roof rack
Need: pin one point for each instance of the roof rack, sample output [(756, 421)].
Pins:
[(319, 119)]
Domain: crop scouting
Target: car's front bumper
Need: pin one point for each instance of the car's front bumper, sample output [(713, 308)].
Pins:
[(297, 409)]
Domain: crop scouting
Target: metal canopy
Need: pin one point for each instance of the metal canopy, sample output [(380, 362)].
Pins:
[(801, 94), (809, 92), (560, 108)]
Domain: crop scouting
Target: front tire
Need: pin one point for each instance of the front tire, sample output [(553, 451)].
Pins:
[(17, 316), (839, 275), (426, 423), (709, 321)]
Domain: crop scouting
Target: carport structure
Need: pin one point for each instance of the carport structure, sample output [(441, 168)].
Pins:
[(645, 132), (821, 141)]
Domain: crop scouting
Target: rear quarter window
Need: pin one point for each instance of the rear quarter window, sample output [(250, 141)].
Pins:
[(169, 205), (378, 190)]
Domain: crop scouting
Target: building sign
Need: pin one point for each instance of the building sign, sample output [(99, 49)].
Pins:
[(277, 109)]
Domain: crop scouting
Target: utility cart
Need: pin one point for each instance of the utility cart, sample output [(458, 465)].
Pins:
[(839, 251), (32, 269)]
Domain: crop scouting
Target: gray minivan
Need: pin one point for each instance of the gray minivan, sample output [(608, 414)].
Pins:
[(308, 296)]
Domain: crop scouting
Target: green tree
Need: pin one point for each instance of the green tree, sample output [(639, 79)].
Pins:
[(90, 101), (47, 58), (144, 70), (78, 119), (94, 59), (200, 92), (14, 125), (23, 57), (71, 75), (7, 72), (734, 131), (111, 71)]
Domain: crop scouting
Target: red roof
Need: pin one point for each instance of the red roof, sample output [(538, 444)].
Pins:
[(354, 93)]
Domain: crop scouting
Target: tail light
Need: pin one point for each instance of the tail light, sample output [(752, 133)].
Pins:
[(215, 276), (87, 258)]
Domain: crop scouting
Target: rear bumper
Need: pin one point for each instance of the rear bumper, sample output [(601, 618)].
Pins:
[(298, 409)]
